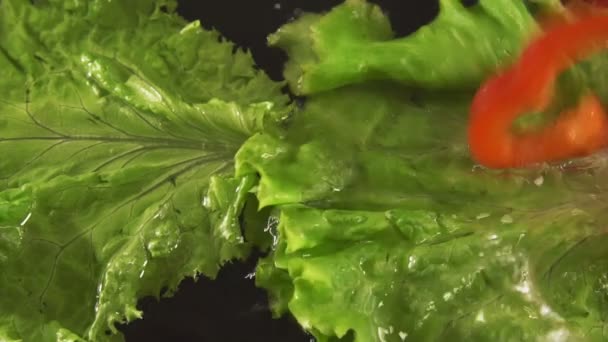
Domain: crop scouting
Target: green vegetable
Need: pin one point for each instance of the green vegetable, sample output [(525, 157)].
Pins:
[(133, 144), (388, 231), (354, 43), (425, 276), (118, 127)]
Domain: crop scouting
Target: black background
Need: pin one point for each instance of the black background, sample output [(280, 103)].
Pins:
[(231, 308)]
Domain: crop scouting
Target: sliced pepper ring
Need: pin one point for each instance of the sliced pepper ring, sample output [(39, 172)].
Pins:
[(528, 86)]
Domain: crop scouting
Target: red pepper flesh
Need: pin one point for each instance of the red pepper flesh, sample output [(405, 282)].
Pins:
[(528, 86), (601, 3)]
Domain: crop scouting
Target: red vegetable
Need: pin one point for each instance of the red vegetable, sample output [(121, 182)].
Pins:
[(602, 3), (527, 86)]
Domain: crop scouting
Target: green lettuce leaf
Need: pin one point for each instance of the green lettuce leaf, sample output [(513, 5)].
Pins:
[(354, 43), (380, 146), (118, 127), (388, 231), (385, 230), (427, 276)]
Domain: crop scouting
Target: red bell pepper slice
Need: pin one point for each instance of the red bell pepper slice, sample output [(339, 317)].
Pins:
[(528, 86)]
